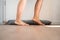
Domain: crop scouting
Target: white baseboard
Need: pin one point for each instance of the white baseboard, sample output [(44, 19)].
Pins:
[(52, 26)]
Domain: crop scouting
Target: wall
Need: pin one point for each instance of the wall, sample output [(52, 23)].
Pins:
[(54, 7), (50, 10)]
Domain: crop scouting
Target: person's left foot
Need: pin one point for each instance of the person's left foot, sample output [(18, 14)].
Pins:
[(38, 21)]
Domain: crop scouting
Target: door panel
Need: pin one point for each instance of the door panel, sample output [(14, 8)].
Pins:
[(2, 10), (50, 10)]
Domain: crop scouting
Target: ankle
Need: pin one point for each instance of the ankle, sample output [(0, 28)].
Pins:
[(18, 21), (36, 18)]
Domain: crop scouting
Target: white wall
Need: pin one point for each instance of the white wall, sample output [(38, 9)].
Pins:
[(54, 7), (50, 10)]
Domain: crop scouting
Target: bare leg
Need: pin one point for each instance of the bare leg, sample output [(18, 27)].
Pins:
[(20, 9), (37, 9)]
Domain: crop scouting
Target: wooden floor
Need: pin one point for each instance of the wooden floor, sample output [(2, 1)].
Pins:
[(14, 32)]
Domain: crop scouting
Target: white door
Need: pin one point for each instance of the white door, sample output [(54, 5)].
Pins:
[(50, 10), (1, 11), (11, 6), (11, 9)]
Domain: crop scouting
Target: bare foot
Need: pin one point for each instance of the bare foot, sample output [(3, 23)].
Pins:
[(38, 21), (21, 23)]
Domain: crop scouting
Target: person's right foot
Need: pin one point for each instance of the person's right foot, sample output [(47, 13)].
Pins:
[(21, 23), (38, 21)]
